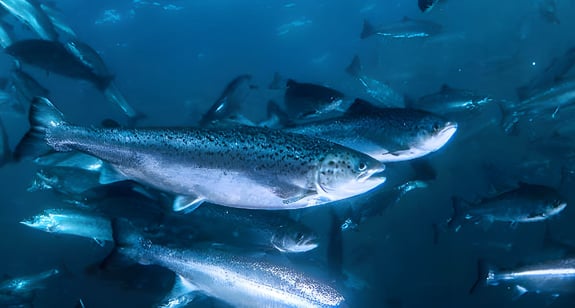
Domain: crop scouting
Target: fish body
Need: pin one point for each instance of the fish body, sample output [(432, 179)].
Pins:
[(27, 85), (552, 73), (243, 227), (386, 134), (227, 275), (227, 107), (546, 104), (55, 57), (57, 20), (246, 167), (26, 284), (527, 203), (30, 13), (553, 277), (383, 93), (6, 34), (451, 100), (307, 100), (426, 5), (407, 28), (72, 222)]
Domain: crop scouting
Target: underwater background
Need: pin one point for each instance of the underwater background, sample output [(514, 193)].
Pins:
[(171, 59)]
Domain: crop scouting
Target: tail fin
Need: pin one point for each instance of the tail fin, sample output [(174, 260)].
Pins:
[(368, 29), (484, 270), (354, 68), (124, 234), (277, 117), (459, 209), (43, 116)]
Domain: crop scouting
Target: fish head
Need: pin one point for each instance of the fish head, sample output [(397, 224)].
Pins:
[(433, 133), (45, 222), (348, 173), (294, 239), (553, 207)]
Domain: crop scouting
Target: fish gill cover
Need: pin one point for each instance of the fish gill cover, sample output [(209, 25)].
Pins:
[(287, 153)]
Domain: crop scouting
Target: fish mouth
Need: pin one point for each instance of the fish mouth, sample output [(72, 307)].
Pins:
[(440, 138), (374, 173), (558, 208)]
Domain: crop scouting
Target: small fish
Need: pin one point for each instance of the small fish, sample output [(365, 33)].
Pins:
[(380, 91), (426, 5), (6, 34), (241, 227), (527, 203), (451, 100), (58, 20), (72, 222), (70, 182), (554, 72), (30, 13), (227, 107), (307, 100), (407, 28), (27, 284), (245, 167), (57, 58), (357, 215), (546, 105), (548, 11), (27, 85), (386, 134), (226, 274), (553, 277)]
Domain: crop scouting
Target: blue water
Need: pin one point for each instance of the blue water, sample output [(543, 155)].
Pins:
[(171, 63)]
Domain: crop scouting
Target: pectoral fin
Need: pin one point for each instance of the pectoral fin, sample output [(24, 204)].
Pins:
[(181, 294), (187, 203), (109, 175)]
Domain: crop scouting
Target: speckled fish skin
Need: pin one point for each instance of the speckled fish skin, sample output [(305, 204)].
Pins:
[(229, 276), (386, 134), (246, 167)]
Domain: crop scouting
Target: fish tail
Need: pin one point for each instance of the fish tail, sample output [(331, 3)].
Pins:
[(277, 116), (458, 216), (354, 68), (484, 271), (43, 117), (124, 234), (368, 29)]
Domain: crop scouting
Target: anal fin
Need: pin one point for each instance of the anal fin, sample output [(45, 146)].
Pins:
[(181, 294)]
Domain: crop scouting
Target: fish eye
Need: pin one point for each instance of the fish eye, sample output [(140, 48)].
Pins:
[(436, 127), (362, 166)]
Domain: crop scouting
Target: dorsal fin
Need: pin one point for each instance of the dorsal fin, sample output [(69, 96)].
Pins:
[(367, 30), (291, 83), (445, 88), (361, 106)]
